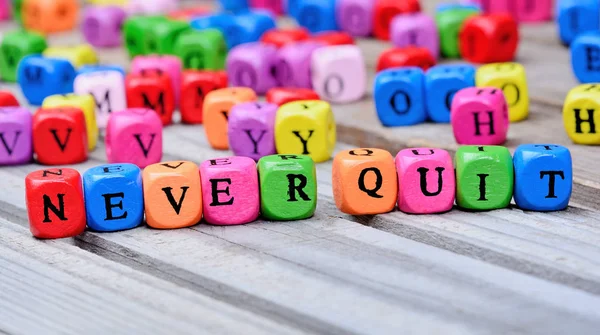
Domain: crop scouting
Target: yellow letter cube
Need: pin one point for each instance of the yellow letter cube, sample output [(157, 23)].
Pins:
[(305, 128), (78, 55), (87, 105), (581, 114), (511, 79)]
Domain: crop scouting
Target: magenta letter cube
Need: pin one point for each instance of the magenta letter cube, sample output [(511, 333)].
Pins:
[(230, 192), (339, 73), (426, 181), (355, 16), (107, 88), (101, 25), (417, 30), (533, 10), (15, 135), (274, 6), (479, 116), (134, 136), (251, 129), (293, 64), (171, 65), (252, 65)]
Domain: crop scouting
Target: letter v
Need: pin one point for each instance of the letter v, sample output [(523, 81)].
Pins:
[(62, 145), (144, 149), (9, 149), (176, 205)]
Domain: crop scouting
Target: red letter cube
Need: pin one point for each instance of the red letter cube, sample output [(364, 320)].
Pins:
[(280, 37), (195, 85), (60, 136), (407, 56), (151, 89), (489, 38)]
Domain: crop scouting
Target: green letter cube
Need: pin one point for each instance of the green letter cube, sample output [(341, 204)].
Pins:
[(135, 30), (15, 46), (161, 37), (204, 49), (288, 187), (484, 177), (449, 23)]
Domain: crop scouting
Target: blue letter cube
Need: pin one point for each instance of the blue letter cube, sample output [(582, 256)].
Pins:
[(399, 96), (585, 57), (234, 6), (113, 197), (543, 177), (441, 83), (317, 15), (248, 27), (575, 17), (40, 77)]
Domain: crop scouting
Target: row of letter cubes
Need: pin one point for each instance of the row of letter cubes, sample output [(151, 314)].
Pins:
[(225, 191), (425, 180)]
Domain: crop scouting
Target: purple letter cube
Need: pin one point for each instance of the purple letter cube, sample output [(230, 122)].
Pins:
[(101, 25), (415, 29), (293, 64), (251, 129), (252, 65), (355, 16), (15, 135)]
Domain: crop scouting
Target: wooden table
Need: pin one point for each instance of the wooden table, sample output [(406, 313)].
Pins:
[(498, 272)]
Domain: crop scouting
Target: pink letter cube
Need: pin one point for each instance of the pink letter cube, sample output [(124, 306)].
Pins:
[(134, 136), (252, 65), (171, 65), (479, 116), (339, 73), (417, 29), (102, 25), (274, 6), (15, 135), (230, 192), (251, 129), (107, 88), (293, 64), (426, 181), (355, 16)]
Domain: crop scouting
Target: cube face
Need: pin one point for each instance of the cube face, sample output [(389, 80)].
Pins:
[(14, 47), (40, 77), (101, 26), (161, 36), (305, 128), (449, 23), (107, 89), (252, 129), (585, 57), (415, 30), (575, 17), (134, 136), (355, 16), (282, 95), (364, 181), (215, 113), (113, 197), (135, 29), (442, 82), (59, 136), (7, 99), (166, 65), (426, 181), (489, 38), (511, 79), (252, 65), (201, 49), (247, 27), (15, 136), (580, 114), (294, 64), (543, 177), (55, 203), (399, 97), (317, 15), (172, 195), (386, 10), (479, 116), (86, 104), (151, 90), (536, 11), (484, 177), (339, 73), (405, 57), (280, 37), (78, 55), (195, 86), (50, 16)]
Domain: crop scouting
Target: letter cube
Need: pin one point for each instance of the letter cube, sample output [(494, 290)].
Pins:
[(172, 195), (426, 181), (14, 46), (356, 16), (364, 181), (113, 197), (107, 88), (449, 23), (317, 15), (15, 135), (135, 30), (252, 129), (101, 26), (247, 27), (230, 191), (161, 36), (339, 73), (275, 7), (283, 95), (50, 16), (199, 50), (533, 11), (7, 99), (288, 187), (152, 7), (195, 86), (511, 79), (135, 136), (215, 113), (280, 37), (405, 57), (574, 17), (484, 177), (489, 38), (585, 57), (441, 84), (55, 203), (543, 177), (151, 89), (59, 136), (234, 6), (400, 97), (305, 128), (581, 116), (252, 65), (40, 77), (77, 55), (386, 10), (416, 29), (479, 116), (330, 38), (169, 65), (293, 64), (83, 102)]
